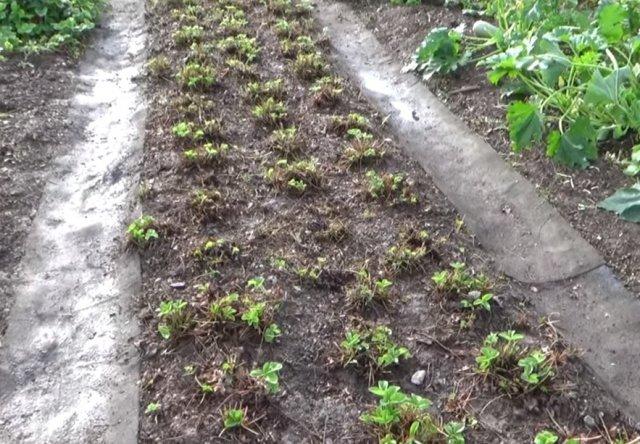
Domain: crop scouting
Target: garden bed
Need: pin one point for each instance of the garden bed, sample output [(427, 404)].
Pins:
[(236, 231), (468, 93), (34, 98)]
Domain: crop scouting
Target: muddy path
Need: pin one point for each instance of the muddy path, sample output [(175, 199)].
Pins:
[(68, 366)]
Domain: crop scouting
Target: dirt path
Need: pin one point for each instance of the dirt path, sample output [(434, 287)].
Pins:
[(69, 368)]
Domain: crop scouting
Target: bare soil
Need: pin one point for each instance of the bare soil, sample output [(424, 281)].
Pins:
[(34, 97), (278, 232), (469, 95)]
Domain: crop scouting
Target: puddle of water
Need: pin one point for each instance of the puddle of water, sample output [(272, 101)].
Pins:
[(69, 368)]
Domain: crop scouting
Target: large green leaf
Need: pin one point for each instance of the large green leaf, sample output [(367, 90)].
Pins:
[(525, 124), (440, 52), (611, 22), (625, 203), (576, 147), (603, 90)]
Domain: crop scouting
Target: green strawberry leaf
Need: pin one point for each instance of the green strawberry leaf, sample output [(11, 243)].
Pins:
[(576, 147), (603, 90), (611, 22), (525, 124), (625, 203)]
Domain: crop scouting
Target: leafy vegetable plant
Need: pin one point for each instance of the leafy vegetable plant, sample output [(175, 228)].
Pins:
[(268, 375), (141, 230), (42, 25), (372, 347), (233, 418), (174, 316), (569, 72), (399, 417), (368, 290)]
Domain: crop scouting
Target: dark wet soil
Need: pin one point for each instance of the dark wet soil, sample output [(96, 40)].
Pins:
[(278, 232), (468, 94), (34, 97)]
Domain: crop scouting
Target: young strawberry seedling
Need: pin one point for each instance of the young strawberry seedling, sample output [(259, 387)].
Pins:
[(362, 149), (233, 24), (216, 251), (268, 376), (296, 176), (207, 203), (241, 46), (287, 29), (286, 141), (515, 367), (258, 91), (410, 252), (270, 111), (399, 417), (175, 318), (279, 7), (196, 76), (371, 348), (311, 275), (141, 231), (395, 188), (206, 155), (300, 45), (309, 66), (242, 69), (368, 290), (159, 66), (342, 124), (459, 280), (327, 90), (234, 418), (194, 132), (188, 34)]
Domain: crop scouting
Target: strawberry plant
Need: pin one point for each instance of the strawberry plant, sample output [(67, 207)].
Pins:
[(286, 141), (327, 90), (371, 347), (175, 318), (42, 25), (216, 251), (263, 90), (410, 251), (513, 365), (458, 279), (395, 188), (188, 34), (243, 47), (141, 230), (270, 111), (399, 417), (368, 289), (268, 376), (233, 418), (294, 176), (207, 154), (194, 75), (309, 65), (300, 45)]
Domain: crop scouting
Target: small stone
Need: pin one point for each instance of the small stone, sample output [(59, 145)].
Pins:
[(418, 377), (178, 285), (589, 421)]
